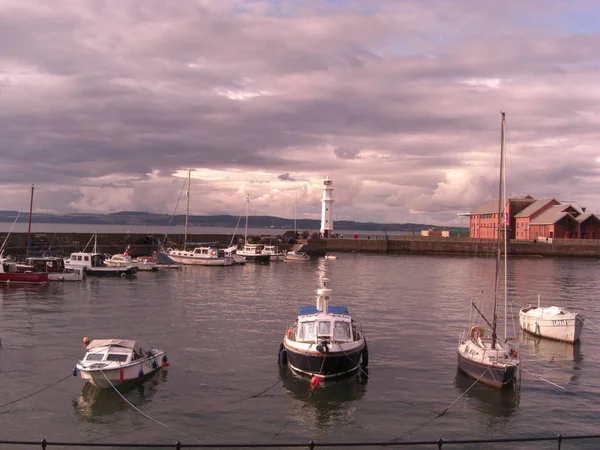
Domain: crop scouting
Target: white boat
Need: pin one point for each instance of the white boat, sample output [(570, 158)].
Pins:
[(201, 256), (484, 356), (116, 361), (92, 263), (296, 256), (331, 257), (274, 253), (124, 260), (252, 252), (232, 251), (551, 322), (324, 342), (55, 266)]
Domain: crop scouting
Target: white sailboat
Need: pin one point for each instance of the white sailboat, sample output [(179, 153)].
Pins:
[(489, 358), (551, 322), (204, 255), (252, 252)]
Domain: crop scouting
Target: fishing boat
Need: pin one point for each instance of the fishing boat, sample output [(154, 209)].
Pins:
[(551, 322), (274, 252), (324, 341), (92, 263), (110, 362), (201, 256), (55, 267), (482, 354)]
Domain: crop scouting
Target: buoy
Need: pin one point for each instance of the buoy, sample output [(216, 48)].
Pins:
[(154, 364), (314, 382), (283, 357), (166, 364), (141, 373), (121, 375), (74, 371), (289, 332), (86, 341)]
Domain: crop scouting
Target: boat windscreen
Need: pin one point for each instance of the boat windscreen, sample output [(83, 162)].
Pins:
[(95, 357), (116, 357)]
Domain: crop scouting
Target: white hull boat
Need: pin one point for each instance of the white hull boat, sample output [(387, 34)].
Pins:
[(201, 256), (110, 362), (486, 357), (551, 322), (294, 256), (274, 253), (124, 260)]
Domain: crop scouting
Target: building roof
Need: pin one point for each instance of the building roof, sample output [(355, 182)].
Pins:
[(583, 217), (491, 206), (552, 215), (535, 207)]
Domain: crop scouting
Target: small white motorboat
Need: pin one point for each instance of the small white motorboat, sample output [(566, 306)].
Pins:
[(296, 256), (331, 257), (551, 322), (116, 361)]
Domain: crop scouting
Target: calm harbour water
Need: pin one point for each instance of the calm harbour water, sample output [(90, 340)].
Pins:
[(221, 328)]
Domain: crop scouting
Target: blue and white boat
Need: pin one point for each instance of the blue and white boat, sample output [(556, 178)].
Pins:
[(324, 342)]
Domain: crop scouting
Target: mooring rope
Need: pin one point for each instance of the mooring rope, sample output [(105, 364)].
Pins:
[(36, 392), (144, 414)]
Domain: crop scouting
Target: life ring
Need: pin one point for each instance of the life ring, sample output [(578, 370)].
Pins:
[(213, 253), (477, 332)]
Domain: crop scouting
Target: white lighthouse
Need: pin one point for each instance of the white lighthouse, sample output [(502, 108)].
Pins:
[(327, 209)]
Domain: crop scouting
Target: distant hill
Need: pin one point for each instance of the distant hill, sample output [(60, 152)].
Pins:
[(224, 221)]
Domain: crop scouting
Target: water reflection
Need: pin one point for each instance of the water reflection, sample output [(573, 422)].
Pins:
[(495, 403), (330, 405), (95, 402), (549, 350)]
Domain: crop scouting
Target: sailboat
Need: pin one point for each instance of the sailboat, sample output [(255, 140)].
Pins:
[(204, 254), (489, 358), (252, 252)]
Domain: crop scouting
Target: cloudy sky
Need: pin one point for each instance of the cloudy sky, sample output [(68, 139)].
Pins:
[(106, 104)]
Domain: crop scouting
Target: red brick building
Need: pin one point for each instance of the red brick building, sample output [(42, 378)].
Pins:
[(531, 220)]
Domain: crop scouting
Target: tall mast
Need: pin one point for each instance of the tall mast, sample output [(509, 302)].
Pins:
[(187, 209), (498, 228), (295, 208), (246, 230), (29, 228), (506, 217)]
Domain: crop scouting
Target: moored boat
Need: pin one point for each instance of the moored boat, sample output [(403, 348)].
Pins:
[(324, 342), (487, 358), (124, 260), (55, 266), (275, 254), (201, 256), (296, 256), (551, 322), (11, 274), (116, 361)]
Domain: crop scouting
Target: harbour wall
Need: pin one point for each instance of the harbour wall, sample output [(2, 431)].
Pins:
[(143, 244)]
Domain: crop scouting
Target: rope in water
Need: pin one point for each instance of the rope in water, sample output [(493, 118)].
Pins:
[(36, 392)]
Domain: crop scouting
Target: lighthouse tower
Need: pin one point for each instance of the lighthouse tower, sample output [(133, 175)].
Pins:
[(326, 210)]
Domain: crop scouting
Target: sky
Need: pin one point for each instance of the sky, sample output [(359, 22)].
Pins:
[(106, 104)]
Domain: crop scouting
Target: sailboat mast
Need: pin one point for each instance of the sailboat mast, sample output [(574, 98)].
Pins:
[(506, 216), (295, 208), (29, 228), (498, 229), (246, 230), (187, 209)]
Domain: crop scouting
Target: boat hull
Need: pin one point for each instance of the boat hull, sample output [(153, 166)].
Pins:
[(498, 375), (24, 278), (75, 275), (121, 375), (564, 327), (335, 364), (111, 271), (194, 261)]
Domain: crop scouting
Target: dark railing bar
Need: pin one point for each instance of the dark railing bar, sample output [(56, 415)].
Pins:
[(311, 444)]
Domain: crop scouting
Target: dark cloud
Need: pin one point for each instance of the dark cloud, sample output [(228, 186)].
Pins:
[(103, 103)]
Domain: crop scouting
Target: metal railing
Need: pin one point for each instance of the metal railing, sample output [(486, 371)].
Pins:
[(311, 445)]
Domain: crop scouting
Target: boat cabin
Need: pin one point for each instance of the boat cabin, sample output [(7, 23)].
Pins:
[(46, 264), (115, 350), (87, 260), (334, 326)]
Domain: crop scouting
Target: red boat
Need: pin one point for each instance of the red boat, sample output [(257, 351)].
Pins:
[(10, 273)]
